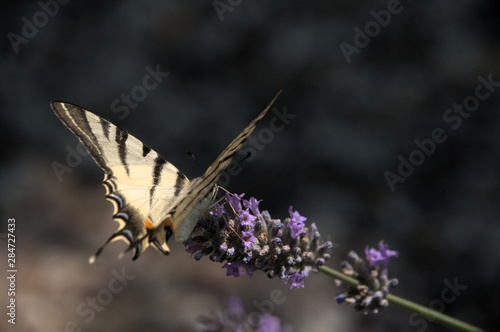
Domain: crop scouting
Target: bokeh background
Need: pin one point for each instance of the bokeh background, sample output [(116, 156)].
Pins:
[(353, 119)]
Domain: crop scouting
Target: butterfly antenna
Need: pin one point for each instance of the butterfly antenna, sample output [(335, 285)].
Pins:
[(244, 158), (227, 191), (189, 153), (239, 162)]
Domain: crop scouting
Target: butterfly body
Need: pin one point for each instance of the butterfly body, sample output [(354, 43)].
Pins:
[(152, 199)]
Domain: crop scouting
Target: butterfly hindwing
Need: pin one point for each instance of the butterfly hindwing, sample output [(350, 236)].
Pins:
[(140, 183)]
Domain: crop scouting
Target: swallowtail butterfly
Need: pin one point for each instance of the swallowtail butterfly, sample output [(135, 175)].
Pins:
[(152, 199)]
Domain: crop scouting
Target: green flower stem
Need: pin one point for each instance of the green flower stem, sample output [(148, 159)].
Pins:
[(432, 315), (338, 275)]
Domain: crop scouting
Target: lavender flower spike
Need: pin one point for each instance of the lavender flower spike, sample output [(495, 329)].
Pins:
[(251, 240), (252, 204), (372, 273)]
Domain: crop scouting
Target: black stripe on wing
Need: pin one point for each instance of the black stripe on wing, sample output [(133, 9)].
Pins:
[(179, 183), (158, 167), (145, 150), (75, 118), (121, 140), (105, 127)]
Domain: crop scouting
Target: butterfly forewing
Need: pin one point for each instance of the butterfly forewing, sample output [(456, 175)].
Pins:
[(138, 181), (202, 188)]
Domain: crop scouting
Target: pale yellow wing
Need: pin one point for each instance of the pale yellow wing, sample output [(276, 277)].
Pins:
[(142, 185)]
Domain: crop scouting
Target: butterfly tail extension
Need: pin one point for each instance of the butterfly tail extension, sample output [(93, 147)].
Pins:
[(139, 246), (121, 234)]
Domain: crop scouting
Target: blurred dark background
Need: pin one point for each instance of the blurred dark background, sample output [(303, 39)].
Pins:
[(354, 116)]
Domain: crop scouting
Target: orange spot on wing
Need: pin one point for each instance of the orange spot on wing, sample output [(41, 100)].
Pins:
[(148, 224), (168, 223)]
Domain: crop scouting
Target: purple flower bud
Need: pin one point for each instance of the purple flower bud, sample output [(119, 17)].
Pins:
[(249, 270), (386, 253), (296, 281), (194, 247), (296, 224), (233, 269), (252, 204), (235, 201), (373, 256), (218, 210), (246, 219)]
